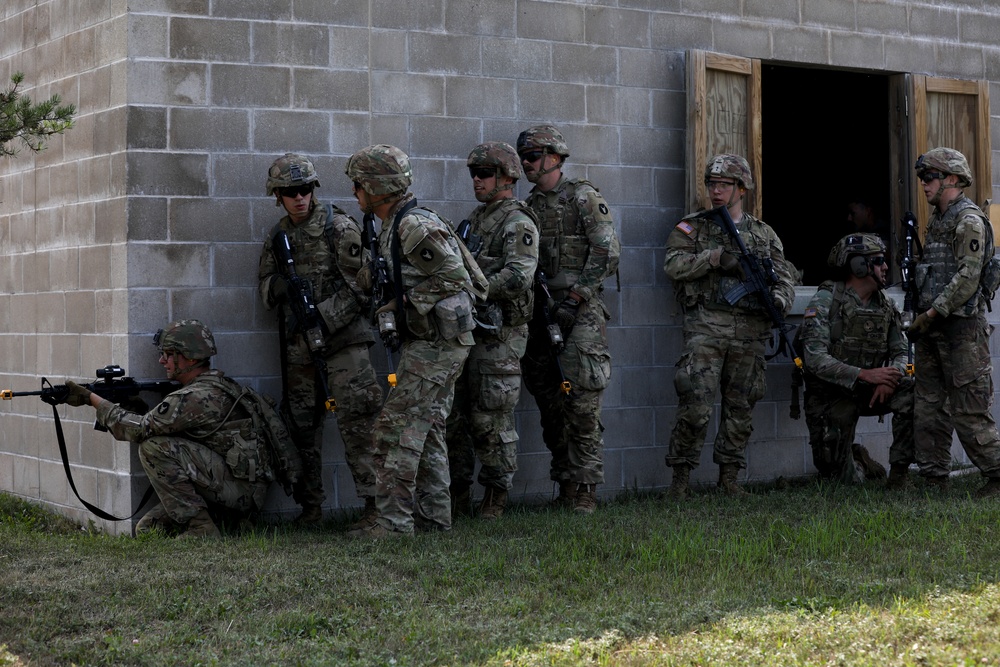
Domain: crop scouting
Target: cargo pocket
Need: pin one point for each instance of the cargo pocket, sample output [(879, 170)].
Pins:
[(594, 364)]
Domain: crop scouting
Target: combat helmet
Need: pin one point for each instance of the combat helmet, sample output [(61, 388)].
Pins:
[(729, 165), (381, 170), (289, 170), (946, 161), (189, 337), (852, 251), (546, 137), (497, 154)]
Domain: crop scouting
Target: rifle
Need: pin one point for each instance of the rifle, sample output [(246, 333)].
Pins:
[(555, 333), (113, 386), (907, 268), (473, 242), (760, 276), (382, 290), (307, 319)]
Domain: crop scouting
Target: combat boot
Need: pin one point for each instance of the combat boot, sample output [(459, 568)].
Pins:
[(155, 518), (567, 495), (898, 476), (872, 468), (201, 525), (368, 516), (311, 515), (938, 483), (680, 485), (727, 480), (461, 500), (585, 500), (494, 502), (990, 489)]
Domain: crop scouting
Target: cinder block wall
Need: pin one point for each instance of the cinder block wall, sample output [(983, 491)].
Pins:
[(153, 207)]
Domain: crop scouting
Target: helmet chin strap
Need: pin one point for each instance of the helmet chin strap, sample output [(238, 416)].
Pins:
[(499, 188), (542, 172)]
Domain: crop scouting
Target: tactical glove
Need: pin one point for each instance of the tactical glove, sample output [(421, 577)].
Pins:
[(278, 289), (565, 315), (730, 263), (919, 327), (78, 395), (364, 279)]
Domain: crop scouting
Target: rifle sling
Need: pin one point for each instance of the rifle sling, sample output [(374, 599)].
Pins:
[(397, 269)]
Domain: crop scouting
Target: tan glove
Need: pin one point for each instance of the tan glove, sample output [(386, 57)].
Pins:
[(364, 279), (78, 395)]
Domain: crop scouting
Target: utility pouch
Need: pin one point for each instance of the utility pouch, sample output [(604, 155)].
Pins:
[(455, 315)]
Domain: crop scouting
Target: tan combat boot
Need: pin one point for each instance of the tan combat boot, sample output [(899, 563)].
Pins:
[(680, 485), (585, 500), (201, 525), (368, 516), (311, 515), (727, 480), (155, 518), (990, 489), (494, 502), (873, 469), (898, 476), (567, 495), (939, 483)]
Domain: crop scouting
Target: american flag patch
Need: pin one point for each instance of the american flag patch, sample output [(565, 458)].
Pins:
[(685, 227), (809, 312)]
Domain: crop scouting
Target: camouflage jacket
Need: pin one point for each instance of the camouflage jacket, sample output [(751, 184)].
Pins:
[(509, 255), (579, 248), (198, 411), (955, 248), (431, 265), (331, 275), (837, 346), (699, 286)]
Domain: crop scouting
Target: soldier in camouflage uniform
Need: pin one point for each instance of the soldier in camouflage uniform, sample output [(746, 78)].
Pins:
[(503, 238), (327, 251), (433, 311), (954, 388), (723, 343), (187, 442), (578, 250), (855, 356)]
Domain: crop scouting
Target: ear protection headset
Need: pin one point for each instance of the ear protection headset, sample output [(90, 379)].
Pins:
[(859, 266)]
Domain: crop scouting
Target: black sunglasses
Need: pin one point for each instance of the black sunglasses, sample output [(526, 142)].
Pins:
[(532, 156), (877, 261), (296, 190), (482, 173), (929, 176)]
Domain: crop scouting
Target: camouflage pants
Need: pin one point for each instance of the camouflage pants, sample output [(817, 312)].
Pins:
[(481, 422), (708, 364), (187, 476), (832, 414), (411, 456), (355, 388), (571, 423), (955, 391)]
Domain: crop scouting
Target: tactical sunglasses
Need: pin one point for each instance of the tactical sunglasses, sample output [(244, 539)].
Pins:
[(877, 261), (296, 190), (482, 173), (929, 176), (532, 156)]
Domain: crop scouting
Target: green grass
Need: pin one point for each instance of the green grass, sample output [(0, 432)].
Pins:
[(812, 575)]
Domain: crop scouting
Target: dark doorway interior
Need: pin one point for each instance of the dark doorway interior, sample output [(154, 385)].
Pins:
[(825, 144)]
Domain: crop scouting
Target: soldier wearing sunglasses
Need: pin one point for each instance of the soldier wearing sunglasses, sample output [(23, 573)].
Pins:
[(855, 355)]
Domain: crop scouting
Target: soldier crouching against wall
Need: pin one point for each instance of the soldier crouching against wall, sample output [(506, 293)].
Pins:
[(432, 310), (327, 253), (502, 236), (855, 356), (197, 445), (723, 343)]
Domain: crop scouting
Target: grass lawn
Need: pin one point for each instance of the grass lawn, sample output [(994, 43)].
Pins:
[(811, 575)]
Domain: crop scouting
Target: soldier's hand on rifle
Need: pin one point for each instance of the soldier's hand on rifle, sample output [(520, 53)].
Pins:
[(364, 279), (730, 263), (920, 326), (390, 307), (78, 396), (565, 315), (278, 289)]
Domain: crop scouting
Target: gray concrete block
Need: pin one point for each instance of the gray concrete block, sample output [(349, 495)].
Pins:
[(147, 127), (258, 10), (416, 94), (551, 102), (330, 89), (221, 308), (110, 133), (551, 21), (169, 265), (623, 185), (296, 131), (649, 146), (857, 50), (50, 316), (480, 97), (935, 22), (64, 268), (350, 133), (147, 218), (882, 18), (682, 31), (147, 35), (94, 91), (426, 15), (195, 7), (830, 14), (579, 63), (639, 266), (643, 468), (445, 137), (236, 265), (390, 129), (168, 174), (209, 39), (389, 50), (160, 82), (801, 44), (495, 18), (645, 386), (651, 70), (349, 48), (242, 174), (750, 40), (909, 55), (209, 129), (332, 12), (617, 27), (517, 59), (213, 220), (442, 53), (289, 44), (250, 86), (959, 61), (773, 11)]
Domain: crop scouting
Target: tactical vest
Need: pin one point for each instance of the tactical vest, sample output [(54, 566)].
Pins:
[(859, 335), (564, 245), (939, 263), (492, 257)]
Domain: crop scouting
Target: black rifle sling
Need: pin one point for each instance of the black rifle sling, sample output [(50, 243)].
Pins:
[(397, 269), (69, 474)]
